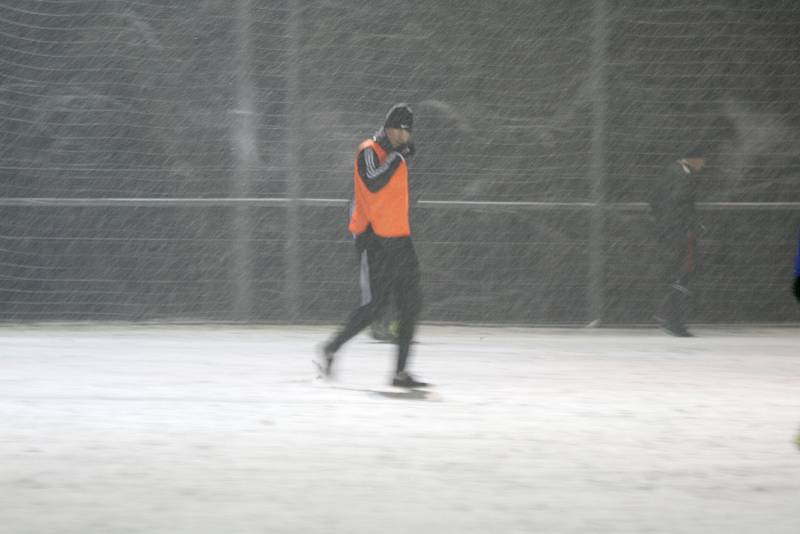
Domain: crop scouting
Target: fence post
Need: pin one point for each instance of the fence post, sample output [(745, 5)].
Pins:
[(245, 143), (293, 137), (597, 166)]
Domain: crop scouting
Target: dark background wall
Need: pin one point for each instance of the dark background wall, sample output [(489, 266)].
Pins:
[(158, 160)]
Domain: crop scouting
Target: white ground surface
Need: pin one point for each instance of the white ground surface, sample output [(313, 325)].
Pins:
[(220, 430)]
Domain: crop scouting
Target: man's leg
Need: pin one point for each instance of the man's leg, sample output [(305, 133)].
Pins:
[(679, 270), (672, 313), (374, 296), (407, 292), (382, 328)]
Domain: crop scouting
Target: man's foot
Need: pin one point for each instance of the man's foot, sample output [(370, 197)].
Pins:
[(673, 328), (678, 330), (324, 362), (405, 380)]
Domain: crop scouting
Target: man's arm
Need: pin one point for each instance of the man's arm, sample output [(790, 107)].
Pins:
[(375, 176)]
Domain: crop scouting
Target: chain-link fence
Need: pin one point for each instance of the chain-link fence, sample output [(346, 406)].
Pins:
[(193, 160)]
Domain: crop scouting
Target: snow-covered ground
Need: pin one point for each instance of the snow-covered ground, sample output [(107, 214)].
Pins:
[(212, 430)]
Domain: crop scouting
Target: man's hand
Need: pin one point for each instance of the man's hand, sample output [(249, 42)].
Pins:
[(407, 151)]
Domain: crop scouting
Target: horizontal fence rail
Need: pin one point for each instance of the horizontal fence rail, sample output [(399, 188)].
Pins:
[(493, 262), (278, 202)]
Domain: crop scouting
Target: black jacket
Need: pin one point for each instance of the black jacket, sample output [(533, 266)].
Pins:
[(672, 202)]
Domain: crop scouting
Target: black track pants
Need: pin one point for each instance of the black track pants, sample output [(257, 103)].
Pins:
[(678, 252), (393, 270)]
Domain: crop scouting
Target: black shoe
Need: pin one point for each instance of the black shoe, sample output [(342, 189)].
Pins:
[(678, 330), (673, 328), (405, 380), (324, 363)]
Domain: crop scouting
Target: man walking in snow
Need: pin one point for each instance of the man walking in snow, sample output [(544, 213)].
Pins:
[(672, 205), (380, 222)]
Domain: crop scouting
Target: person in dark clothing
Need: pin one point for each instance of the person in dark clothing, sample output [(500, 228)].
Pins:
[(672, 205), (380, 222), (796, 287)]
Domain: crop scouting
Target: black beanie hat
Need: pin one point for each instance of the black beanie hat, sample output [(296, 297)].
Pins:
[(695, 152), (400, 116)]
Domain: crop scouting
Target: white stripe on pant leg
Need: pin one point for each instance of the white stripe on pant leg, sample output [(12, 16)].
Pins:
[(366, 291), (682, 289)]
